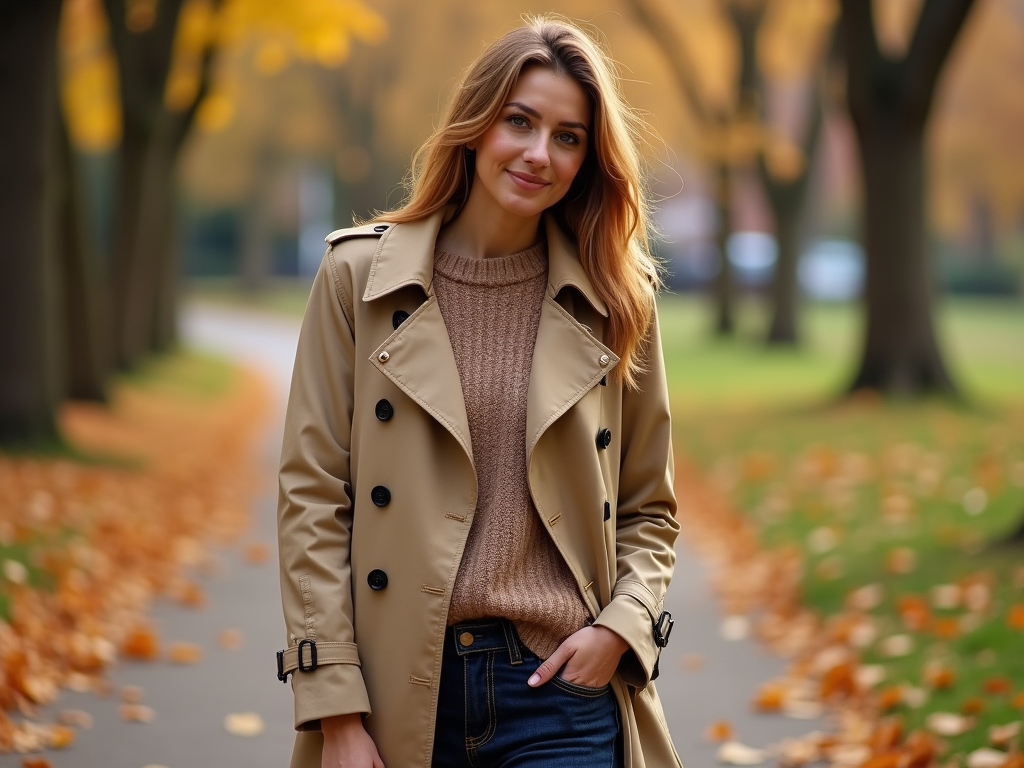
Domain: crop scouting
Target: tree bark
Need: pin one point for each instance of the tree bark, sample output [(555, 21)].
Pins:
[(145, 165), (787, 199), (85, 352), (723, 288), (29, 368), (890, 101)]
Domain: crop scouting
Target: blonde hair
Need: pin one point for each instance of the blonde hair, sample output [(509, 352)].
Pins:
[(605, 210)]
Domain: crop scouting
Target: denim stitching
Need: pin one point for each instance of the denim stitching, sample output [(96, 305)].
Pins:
[(584, 691), (492, 719), (515, 657)]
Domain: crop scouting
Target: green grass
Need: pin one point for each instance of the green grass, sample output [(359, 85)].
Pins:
[(877, 476), (186, 374)]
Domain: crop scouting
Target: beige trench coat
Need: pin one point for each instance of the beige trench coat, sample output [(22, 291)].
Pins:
[(611, 512)]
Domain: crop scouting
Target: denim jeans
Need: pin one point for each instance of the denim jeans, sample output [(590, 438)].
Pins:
[(488, 717)]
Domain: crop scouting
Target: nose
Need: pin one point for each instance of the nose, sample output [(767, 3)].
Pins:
[(536, 152)]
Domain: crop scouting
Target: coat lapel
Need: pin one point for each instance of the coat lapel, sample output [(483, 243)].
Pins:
[(567, 360), (418, 356)]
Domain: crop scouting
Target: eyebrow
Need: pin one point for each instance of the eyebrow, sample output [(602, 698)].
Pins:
[(534, 113)]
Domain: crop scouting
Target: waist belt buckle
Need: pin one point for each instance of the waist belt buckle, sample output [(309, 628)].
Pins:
[(281, 674)]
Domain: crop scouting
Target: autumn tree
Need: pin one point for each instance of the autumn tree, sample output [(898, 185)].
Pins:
[(29, 370), (890, 100)]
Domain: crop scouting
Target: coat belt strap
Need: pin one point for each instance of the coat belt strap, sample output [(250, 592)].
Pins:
[(309, 654)]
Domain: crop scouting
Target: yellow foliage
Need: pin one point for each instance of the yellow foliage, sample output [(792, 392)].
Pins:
[(793, 36), (89, 85)]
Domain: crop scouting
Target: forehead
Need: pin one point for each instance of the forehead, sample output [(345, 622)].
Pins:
[(554, 95)]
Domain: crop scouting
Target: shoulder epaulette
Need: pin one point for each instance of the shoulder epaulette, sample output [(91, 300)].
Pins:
[(367, 230)]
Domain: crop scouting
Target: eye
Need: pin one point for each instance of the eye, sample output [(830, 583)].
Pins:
[(518, 121), (568, 138)]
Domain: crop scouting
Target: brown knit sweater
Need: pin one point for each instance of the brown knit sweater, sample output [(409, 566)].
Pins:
[(511, 567)]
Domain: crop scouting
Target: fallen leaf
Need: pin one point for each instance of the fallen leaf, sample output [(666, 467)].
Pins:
[(802, 709), (61, 737), (35, 762), (869, 675), (946, 628), (720, 730), (1018, 700), (973, 706), (735, 628), (141, 644), (889, 698), (257, 553), (901, 561), (946, 596), (15, 571), (997, 685), (839, 681), (131, 694), (1002, 735), (769, 698), (939, 676), (76, 718), (888, 760), (896, 645), (243, 724), (1015, 616), (948, 723), (887, 734), (735, 753), (137, 713), (986, 758), (230, 639), (866, 598), (185, 653)]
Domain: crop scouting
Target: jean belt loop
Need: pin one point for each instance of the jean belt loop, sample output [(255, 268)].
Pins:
[(515, 656)]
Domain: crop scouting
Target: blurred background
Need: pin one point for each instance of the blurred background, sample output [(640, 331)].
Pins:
[(839, 192)]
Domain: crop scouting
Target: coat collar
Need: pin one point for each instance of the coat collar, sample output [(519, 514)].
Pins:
[(405, 256)]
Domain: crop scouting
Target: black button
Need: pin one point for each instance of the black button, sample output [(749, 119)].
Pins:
[(380, 228), (377, 579), (604, 438), (384, 410), (604, 381), (380, 496), (607, 510), (398, 318)]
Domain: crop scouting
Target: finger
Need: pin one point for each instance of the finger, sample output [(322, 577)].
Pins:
[(550, 666)]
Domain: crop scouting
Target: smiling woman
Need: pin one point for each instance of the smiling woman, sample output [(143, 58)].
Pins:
[(477, 517)]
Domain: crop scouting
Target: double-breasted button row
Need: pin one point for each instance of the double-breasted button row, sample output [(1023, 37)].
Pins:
[(377, 579), (380, 495), (604, 438)]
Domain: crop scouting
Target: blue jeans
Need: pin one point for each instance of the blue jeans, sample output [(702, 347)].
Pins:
[(488, 717)]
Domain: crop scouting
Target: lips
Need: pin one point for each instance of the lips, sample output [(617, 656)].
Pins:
[(527, 180)]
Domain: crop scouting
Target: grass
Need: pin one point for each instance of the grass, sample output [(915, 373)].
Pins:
[(907, 495)]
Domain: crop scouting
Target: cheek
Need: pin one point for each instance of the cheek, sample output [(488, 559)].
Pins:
[(499, 147), (568, 167)]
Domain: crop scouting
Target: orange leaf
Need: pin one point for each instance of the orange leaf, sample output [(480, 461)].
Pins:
[(889, 698), (947, 628), (257, 553), (920, 749), (769, 698), (720, 730), (141, 644), (61, 737), (1014, 761), (35, 762), (1018, 700), (973, 706), (914, 611), (997, 685), (886, 735), (941, 678), (1015, 617), (185, 653), (888, 760), (840, 680)]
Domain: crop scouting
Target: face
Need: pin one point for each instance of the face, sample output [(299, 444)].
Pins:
[(528, 157)]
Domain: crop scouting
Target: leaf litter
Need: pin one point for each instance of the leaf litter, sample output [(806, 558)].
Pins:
[(88, 547)]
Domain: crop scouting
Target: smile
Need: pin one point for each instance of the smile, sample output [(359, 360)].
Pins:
[(527, 181)]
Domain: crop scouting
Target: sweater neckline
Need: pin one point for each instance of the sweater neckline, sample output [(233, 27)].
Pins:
[(497, 271)]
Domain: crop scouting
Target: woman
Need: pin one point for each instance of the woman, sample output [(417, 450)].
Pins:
[(476, 517)]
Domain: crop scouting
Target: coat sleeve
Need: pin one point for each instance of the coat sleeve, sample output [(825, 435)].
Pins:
[(646, 526), (315, 507)]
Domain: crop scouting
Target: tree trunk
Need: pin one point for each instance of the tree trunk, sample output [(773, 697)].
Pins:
[(723, 289), (890, 101), (900, 353), (28, 348), (86, 360), (788, 199)]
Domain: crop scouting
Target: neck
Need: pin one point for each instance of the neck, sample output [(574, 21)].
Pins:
[(483, 231)]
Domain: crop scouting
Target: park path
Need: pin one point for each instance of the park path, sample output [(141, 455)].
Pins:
[(703, 678)]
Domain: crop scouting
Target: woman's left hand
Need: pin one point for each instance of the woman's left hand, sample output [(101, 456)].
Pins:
[(590, 656)]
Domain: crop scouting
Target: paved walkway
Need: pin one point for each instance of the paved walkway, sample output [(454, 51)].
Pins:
[(191, 702)]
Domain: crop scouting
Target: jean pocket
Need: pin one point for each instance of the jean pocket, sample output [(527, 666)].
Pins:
[(586, 691)]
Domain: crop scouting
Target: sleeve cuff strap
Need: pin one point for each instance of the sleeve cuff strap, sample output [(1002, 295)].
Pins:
[(629, 619)]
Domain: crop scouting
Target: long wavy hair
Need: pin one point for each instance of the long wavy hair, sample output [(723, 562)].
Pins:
[(606, 209)]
